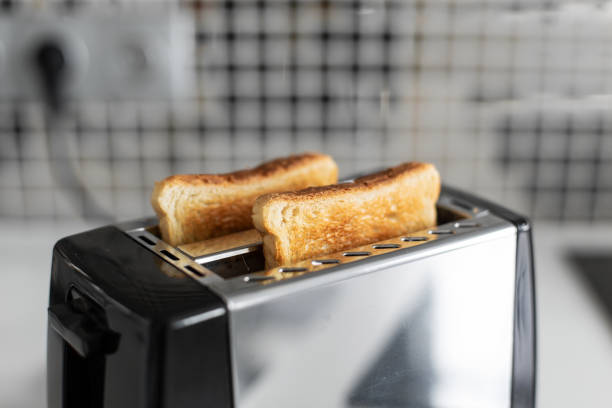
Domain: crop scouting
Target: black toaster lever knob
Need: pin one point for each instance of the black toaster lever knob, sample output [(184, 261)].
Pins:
[(82, 332)]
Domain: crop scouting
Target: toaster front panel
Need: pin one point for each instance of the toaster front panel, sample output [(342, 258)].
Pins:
[(429, 332)]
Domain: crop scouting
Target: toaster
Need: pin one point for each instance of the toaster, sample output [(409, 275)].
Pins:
[(437, 318)]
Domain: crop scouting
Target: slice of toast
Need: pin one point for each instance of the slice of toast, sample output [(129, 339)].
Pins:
[(197, 207), (321, 220)]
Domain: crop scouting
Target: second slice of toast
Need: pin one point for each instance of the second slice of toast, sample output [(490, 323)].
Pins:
[(321, 220)]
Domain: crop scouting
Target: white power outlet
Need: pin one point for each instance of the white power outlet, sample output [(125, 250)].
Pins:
[(131, 53)]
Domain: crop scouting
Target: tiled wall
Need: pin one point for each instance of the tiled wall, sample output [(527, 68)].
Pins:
[(510, 99)]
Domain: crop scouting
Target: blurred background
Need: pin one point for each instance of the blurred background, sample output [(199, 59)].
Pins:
[(510, 99)]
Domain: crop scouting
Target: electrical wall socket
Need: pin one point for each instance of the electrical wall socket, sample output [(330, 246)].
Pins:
[(112, 54)]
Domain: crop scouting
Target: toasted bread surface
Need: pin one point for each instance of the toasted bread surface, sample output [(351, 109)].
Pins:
[(321, 220), (193, 208)]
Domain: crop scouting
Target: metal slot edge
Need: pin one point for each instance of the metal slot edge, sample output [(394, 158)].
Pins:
[(177, 258), (241, 250)]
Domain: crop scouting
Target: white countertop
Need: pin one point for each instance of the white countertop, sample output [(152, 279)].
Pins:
[(25, 255), (575, 338)]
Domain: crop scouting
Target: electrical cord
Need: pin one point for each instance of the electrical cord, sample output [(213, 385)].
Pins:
[(50, 62), (52, 68)]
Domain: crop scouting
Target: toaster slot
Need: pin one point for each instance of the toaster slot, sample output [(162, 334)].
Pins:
[(154, 230), (451, 221), (448, 214), (237, 265)]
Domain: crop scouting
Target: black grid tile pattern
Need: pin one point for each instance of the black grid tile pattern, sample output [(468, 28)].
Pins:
[(508, 98)]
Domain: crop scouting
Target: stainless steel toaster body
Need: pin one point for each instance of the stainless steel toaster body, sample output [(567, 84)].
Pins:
[(438, 318), (427, 328)]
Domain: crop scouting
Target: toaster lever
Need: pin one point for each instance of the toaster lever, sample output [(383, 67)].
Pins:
[(83, 334)]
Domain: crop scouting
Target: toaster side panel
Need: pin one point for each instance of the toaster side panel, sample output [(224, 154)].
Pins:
[(525, 345), (524, 364), (434, 331)]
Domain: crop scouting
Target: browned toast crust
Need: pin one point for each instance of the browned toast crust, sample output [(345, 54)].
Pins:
[(264, 170)]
